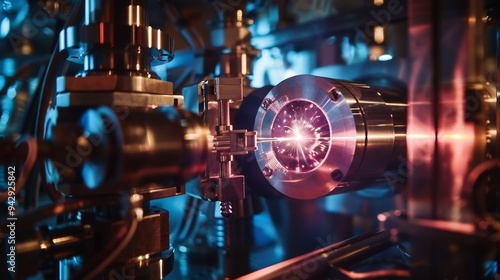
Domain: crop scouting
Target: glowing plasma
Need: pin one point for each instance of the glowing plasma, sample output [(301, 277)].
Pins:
[(302, 136)]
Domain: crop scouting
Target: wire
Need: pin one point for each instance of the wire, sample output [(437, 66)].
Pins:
[(113, 249), (34, 216), (22, 71), (28, 165), (46, 100), (188, 222), (190, 35), (123, 237)]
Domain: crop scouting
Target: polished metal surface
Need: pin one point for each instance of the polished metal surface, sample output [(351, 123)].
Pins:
[(447, 137), (220, 182), (318, 136), (113, 83), (442, 142), (147, 256), (145, 241), (115, 90), (115, 39), (149, 266), (143, 149), (117, 98), (162, 144), (338, 255), (396, 130), (231, 42)]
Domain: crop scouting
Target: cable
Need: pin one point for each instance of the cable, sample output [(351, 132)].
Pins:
[(188, 222), (23, 70), (123, 238), (190, 35), (28, 165), (46, 100), (34, 216), (112, 250), (30, 126)]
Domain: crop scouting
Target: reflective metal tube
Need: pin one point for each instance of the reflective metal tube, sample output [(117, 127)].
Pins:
[(126, 148), (319, 136), (115, 39)]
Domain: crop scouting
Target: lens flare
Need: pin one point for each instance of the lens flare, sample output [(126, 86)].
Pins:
[(302, 136)]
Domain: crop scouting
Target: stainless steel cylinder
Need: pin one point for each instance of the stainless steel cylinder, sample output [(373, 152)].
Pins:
[(164, 143), (142, 146), (115, 39), (319, 136), (131, 12)]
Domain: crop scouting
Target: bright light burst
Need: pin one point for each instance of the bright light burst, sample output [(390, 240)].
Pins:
[(302, 136)]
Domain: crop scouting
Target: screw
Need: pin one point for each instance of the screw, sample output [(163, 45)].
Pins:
[(336, 175), (226, 209), (268, 172), (266, 103), (334, 94)]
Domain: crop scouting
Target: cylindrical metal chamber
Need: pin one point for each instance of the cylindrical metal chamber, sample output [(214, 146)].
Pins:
[(134, 146), (319, 136)]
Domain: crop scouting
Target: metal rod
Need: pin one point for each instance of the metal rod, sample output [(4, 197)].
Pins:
[(315, 265)]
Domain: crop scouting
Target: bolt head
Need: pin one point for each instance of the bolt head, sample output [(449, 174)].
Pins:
[(266, 103), (334, 94), (268, 172)]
